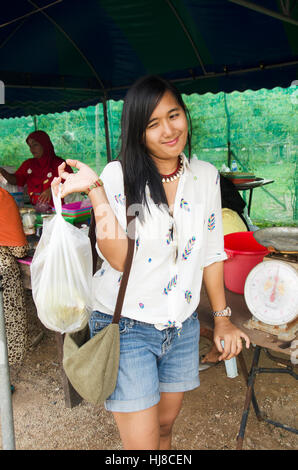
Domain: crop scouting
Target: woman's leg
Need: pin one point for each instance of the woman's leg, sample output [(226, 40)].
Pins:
[(139, 430), (169, 407), (150, 429), (14, 304)]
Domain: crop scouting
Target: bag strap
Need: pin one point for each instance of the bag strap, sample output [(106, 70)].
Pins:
[(92, 237), (131, 221), (131, 226)]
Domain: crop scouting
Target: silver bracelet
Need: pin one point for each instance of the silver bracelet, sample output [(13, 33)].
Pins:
[(226, 312)]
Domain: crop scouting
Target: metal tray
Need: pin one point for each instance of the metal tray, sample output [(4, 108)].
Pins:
[(281, 239)]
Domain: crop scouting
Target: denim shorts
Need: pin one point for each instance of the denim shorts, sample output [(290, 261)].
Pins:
[(151, 361)]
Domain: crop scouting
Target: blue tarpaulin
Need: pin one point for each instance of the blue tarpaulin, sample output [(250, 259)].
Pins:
[(65, 54)]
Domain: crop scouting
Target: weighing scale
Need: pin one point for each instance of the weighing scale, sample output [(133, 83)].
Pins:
[(271, 287), (270, 293)]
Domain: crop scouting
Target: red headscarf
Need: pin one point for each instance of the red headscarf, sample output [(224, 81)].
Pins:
[(48, 156), (38, 173)]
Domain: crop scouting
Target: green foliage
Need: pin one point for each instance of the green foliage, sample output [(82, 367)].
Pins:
[(261, 127)]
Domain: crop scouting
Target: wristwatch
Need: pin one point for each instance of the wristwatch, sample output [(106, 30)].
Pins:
[(226, 312)]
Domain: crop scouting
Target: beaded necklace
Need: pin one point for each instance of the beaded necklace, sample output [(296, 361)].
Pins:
[(175, 175)]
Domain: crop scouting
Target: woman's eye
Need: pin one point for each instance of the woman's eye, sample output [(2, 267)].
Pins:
[(173, 116), (154, 124)]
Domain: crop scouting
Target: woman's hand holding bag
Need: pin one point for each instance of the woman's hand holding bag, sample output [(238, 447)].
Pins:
[(78, 181)]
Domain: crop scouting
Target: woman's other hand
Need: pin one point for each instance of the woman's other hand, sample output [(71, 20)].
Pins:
[(73, 182), (45, 196), (232, 337)]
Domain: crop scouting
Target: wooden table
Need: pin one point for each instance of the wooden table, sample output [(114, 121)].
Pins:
[(71, 397), (250, 186), (262, 341)]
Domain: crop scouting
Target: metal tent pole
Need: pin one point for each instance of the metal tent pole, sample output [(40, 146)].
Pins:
[(7, 426), (295, 212), (106, 122), (228, 130)]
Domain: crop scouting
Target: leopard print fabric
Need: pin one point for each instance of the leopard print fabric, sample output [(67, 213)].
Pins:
[(14, 304)]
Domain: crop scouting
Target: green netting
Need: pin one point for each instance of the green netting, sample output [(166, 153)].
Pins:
[(261, 127), (262, 130), (76, 134)]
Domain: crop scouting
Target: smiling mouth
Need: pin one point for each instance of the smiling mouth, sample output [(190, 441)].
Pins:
[(172, 142)]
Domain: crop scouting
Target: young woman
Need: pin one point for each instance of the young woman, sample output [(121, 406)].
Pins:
[(178, 243)]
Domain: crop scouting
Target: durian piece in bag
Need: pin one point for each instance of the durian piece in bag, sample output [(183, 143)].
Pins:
[(61, 274)]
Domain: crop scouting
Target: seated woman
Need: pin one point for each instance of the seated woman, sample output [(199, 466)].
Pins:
[(37, 172), (13, 245)]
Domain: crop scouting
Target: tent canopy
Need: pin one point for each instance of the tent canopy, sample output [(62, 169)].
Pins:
[(57, 55)]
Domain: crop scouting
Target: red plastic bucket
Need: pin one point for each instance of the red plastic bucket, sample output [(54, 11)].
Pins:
[(244, 253)]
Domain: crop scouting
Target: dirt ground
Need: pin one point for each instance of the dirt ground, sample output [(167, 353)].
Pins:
[(209, 420)]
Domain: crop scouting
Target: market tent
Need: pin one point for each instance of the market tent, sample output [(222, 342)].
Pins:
[(58, 55)]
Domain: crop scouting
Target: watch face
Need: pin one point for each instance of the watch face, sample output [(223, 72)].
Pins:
[(271, 292)]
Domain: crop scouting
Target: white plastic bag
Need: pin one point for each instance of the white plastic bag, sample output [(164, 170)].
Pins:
[(61, 274)]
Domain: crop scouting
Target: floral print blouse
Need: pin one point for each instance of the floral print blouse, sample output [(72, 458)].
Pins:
[(171, 251)]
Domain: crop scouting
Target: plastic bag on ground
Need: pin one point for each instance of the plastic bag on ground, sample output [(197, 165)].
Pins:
[(61, 274)]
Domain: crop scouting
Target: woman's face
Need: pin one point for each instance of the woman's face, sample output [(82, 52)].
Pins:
[(35, 148), (167, 129)]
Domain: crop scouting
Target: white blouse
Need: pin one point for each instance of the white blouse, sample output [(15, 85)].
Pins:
[(170, 251)]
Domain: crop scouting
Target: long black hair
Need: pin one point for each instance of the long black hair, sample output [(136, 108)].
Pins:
[(138, 167)]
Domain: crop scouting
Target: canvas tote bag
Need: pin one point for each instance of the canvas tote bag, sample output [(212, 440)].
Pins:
[(91, 365)]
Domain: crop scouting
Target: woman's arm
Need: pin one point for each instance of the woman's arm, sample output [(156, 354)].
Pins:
[(10, 178), (111, 238), (223, 328)]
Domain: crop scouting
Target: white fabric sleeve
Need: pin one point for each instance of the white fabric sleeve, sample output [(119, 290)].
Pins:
[(215, 240)]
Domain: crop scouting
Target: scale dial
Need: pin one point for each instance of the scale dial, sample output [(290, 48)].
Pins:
[(271, 292)]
